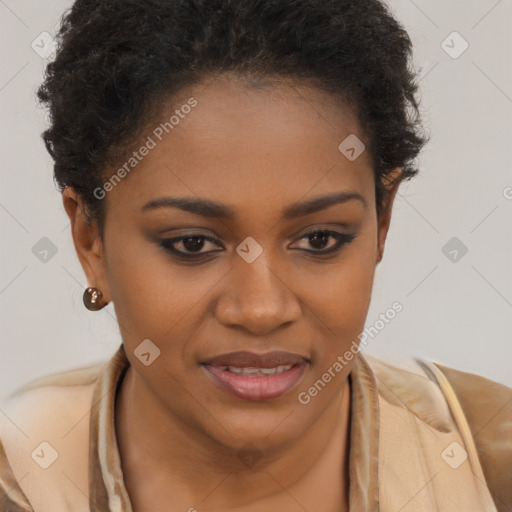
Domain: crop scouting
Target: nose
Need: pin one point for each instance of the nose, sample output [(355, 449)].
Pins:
[(257, 297)]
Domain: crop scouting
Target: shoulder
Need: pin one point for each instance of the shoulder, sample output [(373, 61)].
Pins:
[(432, 391), (487, 406), (44, 439), (408, 385)]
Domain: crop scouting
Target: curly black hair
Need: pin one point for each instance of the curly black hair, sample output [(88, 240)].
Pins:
[(118, 60)]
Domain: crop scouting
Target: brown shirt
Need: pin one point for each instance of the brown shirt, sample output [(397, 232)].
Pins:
[(58, 448)]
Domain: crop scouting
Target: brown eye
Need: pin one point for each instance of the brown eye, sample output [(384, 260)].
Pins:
[(191, 245), (319, 240)]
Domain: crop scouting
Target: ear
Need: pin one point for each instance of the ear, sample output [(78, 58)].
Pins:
[(384, 219), (88, 245)]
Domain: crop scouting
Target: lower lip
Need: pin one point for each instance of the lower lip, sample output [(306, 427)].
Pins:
[(256, 388)]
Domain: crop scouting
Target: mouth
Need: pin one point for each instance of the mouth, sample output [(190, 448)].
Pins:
[(256, 377)]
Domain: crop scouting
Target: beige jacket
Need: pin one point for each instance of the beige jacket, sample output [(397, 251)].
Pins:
[(426, 438)]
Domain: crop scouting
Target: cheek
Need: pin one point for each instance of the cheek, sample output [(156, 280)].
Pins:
[(340, 293), (154, 297), (147, 292)]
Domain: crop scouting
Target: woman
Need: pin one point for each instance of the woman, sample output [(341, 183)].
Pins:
[(229, 170)]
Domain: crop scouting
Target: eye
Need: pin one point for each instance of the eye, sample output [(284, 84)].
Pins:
[(191, 245), (319, 239)]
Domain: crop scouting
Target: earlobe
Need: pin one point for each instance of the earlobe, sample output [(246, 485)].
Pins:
[(87, 242)]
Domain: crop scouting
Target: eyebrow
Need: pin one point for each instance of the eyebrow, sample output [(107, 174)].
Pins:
[(207, 208)]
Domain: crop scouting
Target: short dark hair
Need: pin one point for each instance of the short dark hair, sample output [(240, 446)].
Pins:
[(117, 60)]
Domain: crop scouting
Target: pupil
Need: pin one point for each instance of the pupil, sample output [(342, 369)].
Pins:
[(192, 243), (319, 236)]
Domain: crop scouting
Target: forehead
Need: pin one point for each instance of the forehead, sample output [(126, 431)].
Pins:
[(246, 146)]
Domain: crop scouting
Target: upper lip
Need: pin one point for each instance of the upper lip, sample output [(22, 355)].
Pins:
[(246, 359)]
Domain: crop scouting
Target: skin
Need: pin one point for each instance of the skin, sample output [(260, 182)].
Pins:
[(180, 436)]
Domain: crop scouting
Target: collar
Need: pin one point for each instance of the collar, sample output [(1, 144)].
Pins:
[(106, 483)]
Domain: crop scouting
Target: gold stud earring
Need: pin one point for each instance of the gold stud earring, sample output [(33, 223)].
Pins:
[(92, 298)]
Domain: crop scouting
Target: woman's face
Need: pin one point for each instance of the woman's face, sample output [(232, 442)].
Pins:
[(252, 280)]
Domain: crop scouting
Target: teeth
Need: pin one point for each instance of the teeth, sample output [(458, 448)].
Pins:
[(259, 372)]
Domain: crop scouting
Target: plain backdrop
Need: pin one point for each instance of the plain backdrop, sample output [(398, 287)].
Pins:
[(448, 254)]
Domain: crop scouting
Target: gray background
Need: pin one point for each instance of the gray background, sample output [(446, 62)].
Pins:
[(454, 312)]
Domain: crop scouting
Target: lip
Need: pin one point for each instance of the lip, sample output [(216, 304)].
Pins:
[(245, 359), (256, 388)]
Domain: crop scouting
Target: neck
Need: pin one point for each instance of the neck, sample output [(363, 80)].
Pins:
[(162, 455)]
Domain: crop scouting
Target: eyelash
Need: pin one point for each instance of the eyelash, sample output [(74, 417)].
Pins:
[(341, 239)]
